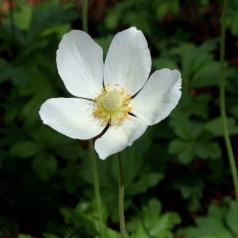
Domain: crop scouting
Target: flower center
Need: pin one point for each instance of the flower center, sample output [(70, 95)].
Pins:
[(112, 106), (112, 101)]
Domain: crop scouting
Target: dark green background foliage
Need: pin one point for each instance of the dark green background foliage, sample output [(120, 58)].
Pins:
[(178, 182)]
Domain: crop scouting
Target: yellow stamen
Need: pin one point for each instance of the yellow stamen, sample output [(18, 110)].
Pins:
[(112, 106)]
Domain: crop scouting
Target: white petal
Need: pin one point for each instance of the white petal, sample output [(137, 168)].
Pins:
[(80, 64), (71, 117), (117, 138), (128, 61), (158, 97)]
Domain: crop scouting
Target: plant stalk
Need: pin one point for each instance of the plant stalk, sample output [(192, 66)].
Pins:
[(85, 15), (121, 197), (92, 152), (12, 19), (223, 103), (96, 188)]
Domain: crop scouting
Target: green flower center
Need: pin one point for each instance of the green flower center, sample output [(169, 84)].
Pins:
[(112, 106), (112, 101)]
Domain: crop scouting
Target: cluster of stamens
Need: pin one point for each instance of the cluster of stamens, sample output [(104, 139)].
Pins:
[(112, 105)]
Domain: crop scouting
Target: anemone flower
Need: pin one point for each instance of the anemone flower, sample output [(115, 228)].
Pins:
[(115, 100)]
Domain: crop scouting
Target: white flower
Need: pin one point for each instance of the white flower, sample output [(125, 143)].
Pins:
[(116, 93)]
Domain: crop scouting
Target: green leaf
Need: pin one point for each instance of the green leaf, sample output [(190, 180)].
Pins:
[(82, 221), (194, 58), (16, 74), (232, 217), (49, 235), (138, 178), (232, 18), (72, 177), (176, 146), (207, 75), (22, 16), (206, 149), (159, 63), (3, 66), (187, 129), (212, 225), (25, 236), (166, 7), (213, 222), (216, 128), (234, 110), (45, 16), (45, 166), (112, 19), (191, 190), (183, 149), (25, 149), (151, 223), (148, 180)]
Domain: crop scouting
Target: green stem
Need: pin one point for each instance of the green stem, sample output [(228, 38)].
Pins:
[(85, 15), (96, 188), (121, 197), (223, 103), (92, 152), (12, 19)]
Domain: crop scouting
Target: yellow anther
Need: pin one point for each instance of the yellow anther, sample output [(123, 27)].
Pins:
[(112, 106)]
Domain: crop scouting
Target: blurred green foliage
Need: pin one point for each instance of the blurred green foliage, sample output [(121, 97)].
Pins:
[(220, 221), (177, 175)]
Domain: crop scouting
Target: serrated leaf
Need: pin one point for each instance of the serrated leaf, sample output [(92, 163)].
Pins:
[(211, 225), (187, 130), (184, 150), (207, 149), (148, 180), (151, 223), (207, 75), (194, 57), (177, 146), (216, 128), (191, 190), (186, 156)]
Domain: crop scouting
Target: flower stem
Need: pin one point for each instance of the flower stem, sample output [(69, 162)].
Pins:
[(12, 19), (96, 188), (85, 15), (223, 103), (121, 197), (92, 153)]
